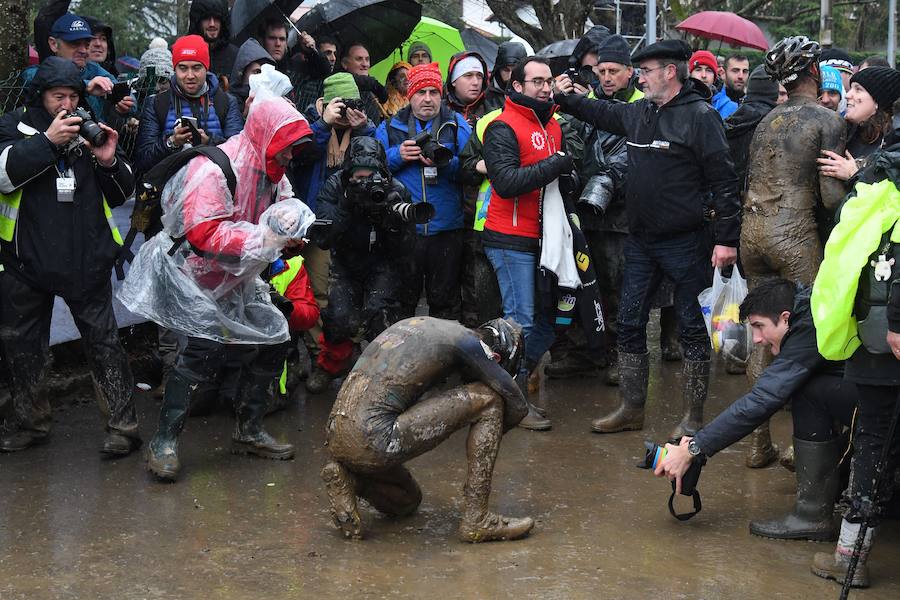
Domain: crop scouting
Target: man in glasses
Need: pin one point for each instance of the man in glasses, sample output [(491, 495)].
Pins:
[(678, 162)]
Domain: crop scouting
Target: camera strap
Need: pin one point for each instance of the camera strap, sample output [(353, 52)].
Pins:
[(698, 506)]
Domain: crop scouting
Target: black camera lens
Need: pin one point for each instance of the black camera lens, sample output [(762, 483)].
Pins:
[(89, 129)]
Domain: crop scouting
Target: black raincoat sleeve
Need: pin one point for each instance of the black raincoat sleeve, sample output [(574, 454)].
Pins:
[(22, 159), (468, 158), (572, 142), (366, 83), (43, 23), (508, 177), (798, 360), (615, 117), (116, 183), (330, 205), (893, 309), (712, 152)]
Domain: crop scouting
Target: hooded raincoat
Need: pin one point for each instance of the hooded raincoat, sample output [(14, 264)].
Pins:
[(222, 53), (209, 287)]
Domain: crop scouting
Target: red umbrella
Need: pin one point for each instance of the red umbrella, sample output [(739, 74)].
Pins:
[(726, 27)]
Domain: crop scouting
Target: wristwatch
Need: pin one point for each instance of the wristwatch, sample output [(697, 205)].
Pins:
[(693, 448), (169, 144)]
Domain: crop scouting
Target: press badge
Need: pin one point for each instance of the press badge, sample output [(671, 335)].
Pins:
[(431, 175), (65, 189)]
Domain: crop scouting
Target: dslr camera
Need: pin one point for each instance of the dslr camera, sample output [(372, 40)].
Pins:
[(88, 129), (434, 151), (374, 196), (582, 75), (654, 454), (354, 103)]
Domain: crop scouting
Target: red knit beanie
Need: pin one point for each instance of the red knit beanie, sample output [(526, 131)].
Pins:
[(703, 57), (423, 76), (190, 47)]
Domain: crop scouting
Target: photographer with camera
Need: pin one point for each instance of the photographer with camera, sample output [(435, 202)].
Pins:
[(423, 143), (60, 174), (370, 239), (778, 312)]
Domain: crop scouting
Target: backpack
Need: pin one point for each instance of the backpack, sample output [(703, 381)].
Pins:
[(147, 212)]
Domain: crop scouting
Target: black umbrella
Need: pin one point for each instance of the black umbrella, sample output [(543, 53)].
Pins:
[(478, 43), (379, 25), (557, 54), (248, 15)]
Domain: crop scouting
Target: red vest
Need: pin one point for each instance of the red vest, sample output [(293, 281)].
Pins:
[(520, 215)]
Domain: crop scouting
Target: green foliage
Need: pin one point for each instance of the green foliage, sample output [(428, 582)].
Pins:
[(448, 12), (134, 22)]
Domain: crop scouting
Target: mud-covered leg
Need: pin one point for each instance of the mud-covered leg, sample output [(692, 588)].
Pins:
[(762, 453), (341, 487)]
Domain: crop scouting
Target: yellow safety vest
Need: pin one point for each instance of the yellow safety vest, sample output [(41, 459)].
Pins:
[(281, 282)]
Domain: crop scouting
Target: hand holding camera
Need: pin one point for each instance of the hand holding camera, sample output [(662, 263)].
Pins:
[(103, 145), (64, 128)]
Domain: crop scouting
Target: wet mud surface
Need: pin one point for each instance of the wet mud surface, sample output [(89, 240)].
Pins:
[(75, 526)]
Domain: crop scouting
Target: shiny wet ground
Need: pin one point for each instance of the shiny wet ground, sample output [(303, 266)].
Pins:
[(75, 526)]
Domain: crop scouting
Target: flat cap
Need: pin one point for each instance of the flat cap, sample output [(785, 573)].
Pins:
[(674, 49)]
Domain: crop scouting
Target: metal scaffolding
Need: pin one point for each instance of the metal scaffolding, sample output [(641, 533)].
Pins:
[(632, 19)]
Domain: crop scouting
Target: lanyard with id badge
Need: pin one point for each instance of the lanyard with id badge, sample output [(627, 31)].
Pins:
[(65, 184)]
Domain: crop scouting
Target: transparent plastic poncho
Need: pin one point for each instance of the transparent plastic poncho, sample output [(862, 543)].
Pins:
[(210, 286)]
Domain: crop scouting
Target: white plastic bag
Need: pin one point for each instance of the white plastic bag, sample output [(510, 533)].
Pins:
[(721, 309)]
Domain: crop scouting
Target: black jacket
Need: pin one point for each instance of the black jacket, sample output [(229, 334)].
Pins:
[(222, 53), (63, 248), (677, 155), (798, 360), (739, 128)]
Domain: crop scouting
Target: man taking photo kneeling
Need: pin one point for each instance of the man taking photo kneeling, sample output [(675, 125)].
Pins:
[(778, 312)]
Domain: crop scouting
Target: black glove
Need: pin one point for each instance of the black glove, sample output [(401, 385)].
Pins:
[(570, 184), (281, 303), (564, 163)]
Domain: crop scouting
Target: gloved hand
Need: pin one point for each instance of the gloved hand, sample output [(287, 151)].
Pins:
[(281, 303), (570, 184), (564, 163)]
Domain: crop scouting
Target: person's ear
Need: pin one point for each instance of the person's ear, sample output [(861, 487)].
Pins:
[(54, 45), (785, 316), (517, 87)]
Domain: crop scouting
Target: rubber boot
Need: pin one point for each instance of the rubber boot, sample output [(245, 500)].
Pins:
[(533, 421), (162, 451), (668, 334), (833, 565), (694, 391), (537, 386), (612, 371), (818, 480), (762, 452), (634, 371), (249, 436)]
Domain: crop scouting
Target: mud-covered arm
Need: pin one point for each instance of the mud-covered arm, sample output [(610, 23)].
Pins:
[(720, 177), (834, 137), (478, 367)]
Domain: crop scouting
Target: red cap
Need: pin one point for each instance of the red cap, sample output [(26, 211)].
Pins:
[(423, 76), (703, 57), (190, 47)]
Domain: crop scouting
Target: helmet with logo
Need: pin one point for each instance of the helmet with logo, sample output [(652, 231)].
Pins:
[(791, 57), (504, 337)]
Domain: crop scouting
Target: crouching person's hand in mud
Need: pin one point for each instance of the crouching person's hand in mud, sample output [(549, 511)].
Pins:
[(676, 463)]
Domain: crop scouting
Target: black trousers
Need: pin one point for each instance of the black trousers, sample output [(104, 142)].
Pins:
[(876, 404), (436, 266), (480, 293), (362, 293), (822, 406), (25, 314)]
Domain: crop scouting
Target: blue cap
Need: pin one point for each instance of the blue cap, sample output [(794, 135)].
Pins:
[(70, 28), (831, 80)]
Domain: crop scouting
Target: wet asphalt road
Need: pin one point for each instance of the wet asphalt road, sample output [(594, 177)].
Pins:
[(75, 526)]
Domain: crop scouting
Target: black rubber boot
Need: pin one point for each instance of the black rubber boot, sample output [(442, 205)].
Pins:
[(694, 391), (818, 480), (534, 420), (162, 451), (634, 371), (669, 344), (251, 403)]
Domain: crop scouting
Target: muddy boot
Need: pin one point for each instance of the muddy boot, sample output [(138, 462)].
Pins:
[(493, 527), (833, 565), (533, 421), (537, 387), (572, 365), (762, 453), (22, 439), (612, 371), (668, 334), (787, 459), (694, 390), (117, 444), (341, 488), (634, 370), (817, 487), (249, 437), (162, 451), (318, 381)]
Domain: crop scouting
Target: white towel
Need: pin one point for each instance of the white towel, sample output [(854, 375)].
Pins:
[(557, 248)]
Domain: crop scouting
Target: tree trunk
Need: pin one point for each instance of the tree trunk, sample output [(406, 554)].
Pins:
[(14, 16)]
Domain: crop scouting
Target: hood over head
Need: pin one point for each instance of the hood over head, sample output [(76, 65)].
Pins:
[(366, 153), (250, 51), (54, 72), (98, 26), (457, 58), (201, 9), (508, 54), (589, 42), (272, 125)]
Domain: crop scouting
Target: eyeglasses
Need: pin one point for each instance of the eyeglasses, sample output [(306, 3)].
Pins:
[(540, 82), (643, 71)]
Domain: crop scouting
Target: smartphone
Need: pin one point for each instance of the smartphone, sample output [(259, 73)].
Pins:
[(190, 123), (119, 92)]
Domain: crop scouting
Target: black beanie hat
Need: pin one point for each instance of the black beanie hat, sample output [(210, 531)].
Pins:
[(761, 84), (614, 49), (882, 83)]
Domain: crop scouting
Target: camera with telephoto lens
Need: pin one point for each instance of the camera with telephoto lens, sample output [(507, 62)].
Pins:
[(88, 129), (434, 151), (376, 199), (354, 103), (654, 454)]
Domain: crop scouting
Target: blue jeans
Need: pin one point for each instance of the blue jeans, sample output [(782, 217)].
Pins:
[(515, 274), (681, 257)]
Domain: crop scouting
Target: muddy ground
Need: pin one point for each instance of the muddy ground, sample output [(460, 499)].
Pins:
[(75, 526)]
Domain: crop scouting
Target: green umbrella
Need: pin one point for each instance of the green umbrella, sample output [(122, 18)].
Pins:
[(443, 40)]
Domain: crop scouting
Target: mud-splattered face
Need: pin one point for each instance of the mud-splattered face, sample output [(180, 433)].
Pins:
[(769, 333), (860, 104)]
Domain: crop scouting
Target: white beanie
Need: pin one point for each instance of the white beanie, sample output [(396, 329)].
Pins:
[(469, 64), (160, 43)]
